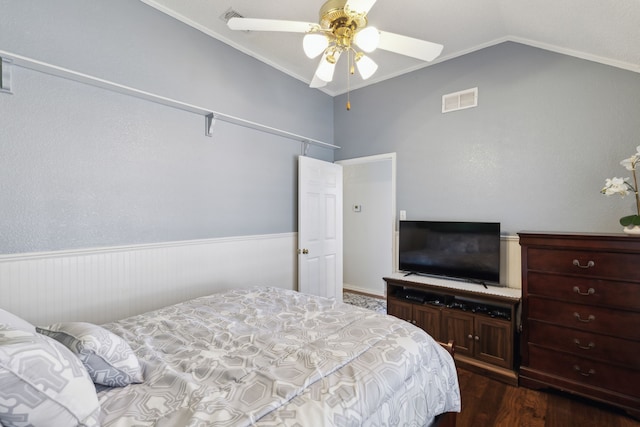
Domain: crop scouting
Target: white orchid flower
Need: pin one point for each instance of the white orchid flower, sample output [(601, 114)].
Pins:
[(623, 187), (630, 163), (619, 186)]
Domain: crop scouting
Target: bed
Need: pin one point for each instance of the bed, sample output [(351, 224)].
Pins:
[(259, 356)]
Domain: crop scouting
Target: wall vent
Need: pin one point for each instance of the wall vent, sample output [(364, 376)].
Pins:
[(460, 100), (230, 13)]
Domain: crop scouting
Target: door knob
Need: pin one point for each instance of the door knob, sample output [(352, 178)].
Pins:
[(303, 251)]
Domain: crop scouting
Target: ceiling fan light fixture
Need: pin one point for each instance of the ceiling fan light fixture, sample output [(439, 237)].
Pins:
[(314, 44), (367, 39), (342, 28), (327, 67), (359, 6), (366, 66)]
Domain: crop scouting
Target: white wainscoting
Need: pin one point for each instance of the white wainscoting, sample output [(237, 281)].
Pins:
[(510, 261), (104, 284)]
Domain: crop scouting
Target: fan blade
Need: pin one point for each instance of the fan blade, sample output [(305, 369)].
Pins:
[(252, 24), (317, 82), (360, 6), (416, 48)]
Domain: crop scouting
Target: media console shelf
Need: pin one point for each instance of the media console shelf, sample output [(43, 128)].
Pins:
[(482, 322)]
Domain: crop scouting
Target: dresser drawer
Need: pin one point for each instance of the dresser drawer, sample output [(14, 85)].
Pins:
[(585, 344), (584, 371), (618, 323), (585, 263), (585, 290)]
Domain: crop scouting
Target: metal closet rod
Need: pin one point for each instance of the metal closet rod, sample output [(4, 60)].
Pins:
[(209, 114)]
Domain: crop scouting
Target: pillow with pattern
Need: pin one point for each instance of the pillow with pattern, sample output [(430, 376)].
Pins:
[(43, 383), (14, 321), (107, 357)]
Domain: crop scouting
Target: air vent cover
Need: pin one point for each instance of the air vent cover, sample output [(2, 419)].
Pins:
[(460, 100)]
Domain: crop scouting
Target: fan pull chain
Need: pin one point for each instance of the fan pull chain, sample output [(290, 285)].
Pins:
[(349, 72)]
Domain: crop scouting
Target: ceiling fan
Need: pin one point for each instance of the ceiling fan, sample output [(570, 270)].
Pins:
[(342, 27)]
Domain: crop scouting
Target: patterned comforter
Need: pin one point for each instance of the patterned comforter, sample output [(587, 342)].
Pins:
[(272, 357)]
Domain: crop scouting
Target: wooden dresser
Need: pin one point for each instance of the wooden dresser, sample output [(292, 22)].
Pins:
[(581, 315)]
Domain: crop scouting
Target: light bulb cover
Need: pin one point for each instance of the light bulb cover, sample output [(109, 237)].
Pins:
[(367, 39), (366, 67), (314, 44), (325, 68)]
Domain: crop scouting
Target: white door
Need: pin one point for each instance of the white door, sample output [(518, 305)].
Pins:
[(319, 228)]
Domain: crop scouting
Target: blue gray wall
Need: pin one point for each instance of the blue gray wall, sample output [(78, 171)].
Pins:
[(533, 155), (84, 167)]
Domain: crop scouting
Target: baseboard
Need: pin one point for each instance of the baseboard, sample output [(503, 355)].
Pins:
[(362, 291)]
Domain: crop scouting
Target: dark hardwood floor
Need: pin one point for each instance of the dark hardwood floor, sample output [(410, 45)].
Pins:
[(489, 403)]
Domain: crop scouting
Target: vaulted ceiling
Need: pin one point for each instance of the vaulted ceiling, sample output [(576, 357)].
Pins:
[(605, 31)]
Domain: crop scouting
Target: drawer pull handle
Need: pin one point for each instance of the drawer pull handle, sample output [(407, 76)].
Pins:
[(590, 291), (589, 264), (584, 347), (470, 336), (591, 318), (584, 374)]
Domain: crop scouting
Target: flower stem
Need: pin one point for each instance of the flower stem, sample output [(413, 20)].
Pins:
[(635, 181)]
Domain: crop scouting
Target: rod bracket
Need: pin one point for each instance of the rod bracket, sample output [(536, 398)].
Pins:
[(209, 123), (5, 75)]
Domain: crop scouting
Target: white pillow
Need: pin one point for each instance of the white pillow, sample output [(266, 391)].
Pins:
[(43, 383), (107, 357), (11, 319)]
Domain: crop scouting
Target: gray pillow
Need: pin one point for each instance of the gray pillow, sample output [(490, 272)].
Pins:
[(107, 357), (43, 383), (11, 319)]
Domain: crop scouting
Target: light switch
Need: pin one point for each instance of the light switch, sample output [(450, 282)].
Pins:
[(357, 208), (403, 215)]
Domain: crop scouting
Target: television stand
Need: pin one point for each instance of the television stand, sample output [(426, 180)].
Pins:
[(482, 322)]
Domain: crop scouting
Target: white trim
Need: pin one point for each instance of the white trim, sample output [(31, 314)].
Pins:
[(545, 46), (190, 22), (510, 238), (577, 54), (138, 247)]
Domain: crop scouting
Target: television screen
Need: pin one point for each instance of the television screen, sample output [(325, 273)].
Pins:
[(461, 250)]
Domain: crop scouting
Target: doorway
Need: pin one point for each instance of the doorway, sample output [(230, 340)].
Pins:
[(369, 221)]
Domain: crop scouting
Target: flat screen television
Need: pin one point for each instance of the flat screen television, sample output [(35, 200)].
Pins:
[(468, 251)]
